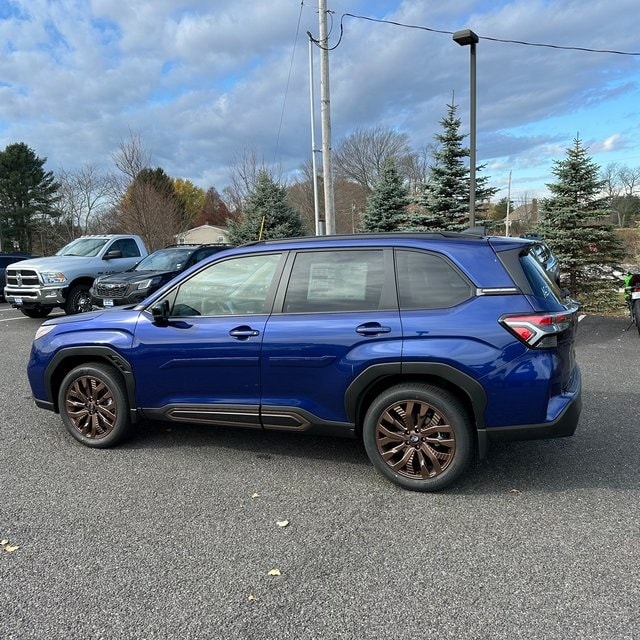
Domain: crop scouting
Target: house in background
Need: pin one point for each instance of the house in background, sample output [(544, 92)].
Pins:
[(204, 234)]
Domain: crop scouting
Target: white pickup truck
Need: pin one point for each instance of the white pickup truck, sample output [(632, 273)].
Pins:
[(38, 285)]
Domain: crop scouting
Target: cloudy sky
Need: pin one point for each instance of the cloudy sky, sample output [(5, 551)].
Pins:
[(202, 81)]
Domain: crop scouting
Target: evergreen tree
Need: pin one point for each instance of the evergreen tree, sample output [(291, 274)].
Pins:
[(267, 214), (443, 204), (386, 207), (26, 191), (575, 220)]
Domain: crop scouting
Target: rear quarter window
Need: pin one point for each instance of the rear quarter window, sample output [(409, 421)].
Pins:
[(429, 281)]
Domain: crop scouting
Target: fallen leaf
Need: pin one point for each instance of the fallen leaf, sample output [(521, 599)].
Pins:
[(251, 597), (515, 491), (255, 495), (282, 523), (10, 547), (274, 572)]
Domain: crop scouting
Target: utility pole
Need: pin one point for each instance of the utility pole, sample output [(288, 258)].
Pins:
[(507, 223), (320, 220), (325, 112)]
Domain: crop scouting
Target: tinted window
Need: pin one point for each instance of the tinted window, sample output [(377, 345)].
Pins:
[(428, 281), (335, 281), (127, 246), (232, 287), (542, 285)]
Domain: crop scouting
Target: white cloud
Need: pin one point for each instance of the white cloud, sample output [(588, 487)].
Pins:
[(202, 81)]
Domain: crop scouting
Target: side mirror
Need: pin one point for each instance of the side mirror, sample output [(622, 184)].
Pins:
[(160, 313), (115, 253)]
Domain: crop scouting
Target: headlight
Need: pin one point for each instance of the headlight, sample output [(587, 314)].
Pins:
[(145, 284), (43, 330), (53, 277)]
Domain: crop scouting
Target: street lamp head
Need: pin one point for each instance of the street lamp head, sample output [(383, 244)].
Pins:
[(466, 37)]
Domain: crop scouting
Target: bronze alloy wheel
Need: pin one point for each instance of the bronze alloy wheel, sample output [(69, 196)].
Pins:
[(414, 439), (91, 407)]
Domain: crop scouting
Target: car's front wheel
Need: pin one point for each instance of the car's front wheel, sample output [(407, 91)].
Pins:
[(418, 436), (78, 300), (93, 405)]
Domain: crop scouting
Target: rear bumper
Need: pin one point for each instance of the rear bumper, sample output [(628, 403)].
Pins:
[(563, 425)]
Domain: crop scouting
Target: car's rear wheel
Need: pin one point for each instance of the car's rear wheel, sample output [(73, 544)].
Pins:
[(36, 312), (78, 300), (418, 436), (93, 405)]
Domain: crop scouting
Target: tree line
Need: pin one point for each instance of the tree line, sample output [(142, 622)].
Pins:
[(381, 184)]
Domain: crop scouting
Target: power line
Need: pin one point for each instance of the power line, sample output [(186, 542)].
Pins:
[(286, 91), (501, 40)]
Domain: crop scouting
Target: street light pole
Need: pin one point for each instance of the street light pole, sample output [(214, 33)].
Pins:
[(463, 38)]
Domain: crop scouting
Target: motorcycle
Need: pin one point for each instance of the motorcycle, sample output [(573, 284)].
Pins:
[(632, 298)]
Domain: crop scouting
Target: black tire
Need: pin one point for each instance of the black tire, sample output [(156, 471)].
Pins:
[(78, 300), (36, 312), (418, 436), (636, 314), (93, 405)]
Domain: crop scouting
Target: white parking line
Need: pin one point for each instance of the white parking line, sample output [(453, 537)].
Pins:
[(10, 319), (582, 317)]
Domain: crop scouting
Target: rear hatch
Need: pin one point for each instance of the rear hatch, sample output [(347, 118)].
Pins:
[(553, 321)]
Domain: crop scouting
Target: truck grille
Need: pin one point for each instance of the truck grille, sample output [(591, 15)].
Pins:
[(22, 278), (111, 290)]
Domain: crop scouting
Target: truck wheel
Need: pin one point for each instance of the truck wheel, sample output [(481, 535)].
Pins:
[(93, 405), (36, 312), (78, 300), (418, 436)]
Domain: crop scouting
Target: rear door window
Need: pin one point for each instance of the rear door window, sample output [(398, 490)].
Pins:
[(331, 281)]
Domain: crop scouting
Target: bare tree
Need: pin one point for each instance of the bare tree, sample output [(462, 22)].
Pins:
[(361, 156), (85, 196), (621, 186), (244, 177), (131, 157), (153, 215)]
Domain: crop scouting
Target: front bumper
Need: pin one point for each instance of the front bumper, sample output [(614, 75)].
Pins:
[(35, 296)]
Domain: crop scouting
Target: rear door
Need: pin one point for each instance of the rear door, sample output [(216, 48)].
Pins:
[(336, 317)]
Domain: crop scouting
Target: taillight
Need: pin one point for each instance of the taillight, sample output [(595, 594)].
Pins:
[(539, 330)]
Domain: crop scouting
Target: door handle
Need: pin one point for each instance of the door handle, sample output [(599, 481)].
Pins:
[(242, 333), (372, 329)]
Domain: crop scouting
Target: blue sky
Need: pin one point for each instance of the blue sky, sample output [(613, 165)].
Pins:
[(203, 81)]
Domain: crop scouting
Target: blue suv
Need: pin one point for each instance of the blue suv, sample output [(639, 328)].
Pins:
[(428, 346)]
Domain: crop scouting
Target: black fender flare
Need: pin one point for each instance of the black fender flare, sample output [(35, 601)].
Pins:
[(88, 354), (470, 387)]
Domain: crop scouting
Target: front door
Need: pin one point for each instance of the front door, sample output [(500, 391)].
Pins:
[(205, 365)]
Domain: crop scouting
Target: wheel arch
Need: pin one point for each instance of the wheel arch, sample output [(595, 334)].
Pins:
[(71, 357), (371, 382), (84, 280)]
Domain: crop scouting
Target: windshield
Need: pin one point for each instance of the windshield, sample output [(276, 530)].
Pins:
[(86, 247), (165, 260)]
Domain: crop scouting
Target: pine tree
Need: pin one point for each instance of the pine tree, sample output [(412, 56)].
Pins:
[(267, 214), (26, 190), (575, 221), (443, 204), (386, 206)]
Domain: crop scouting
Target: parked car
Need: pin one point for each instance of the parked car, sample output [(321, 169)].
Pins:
[(134, 285), (428, 346), (5, 260)]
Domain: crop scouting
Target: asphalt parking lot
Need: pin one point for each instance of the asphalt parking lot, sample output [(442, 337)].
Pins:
[(173, 535)]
